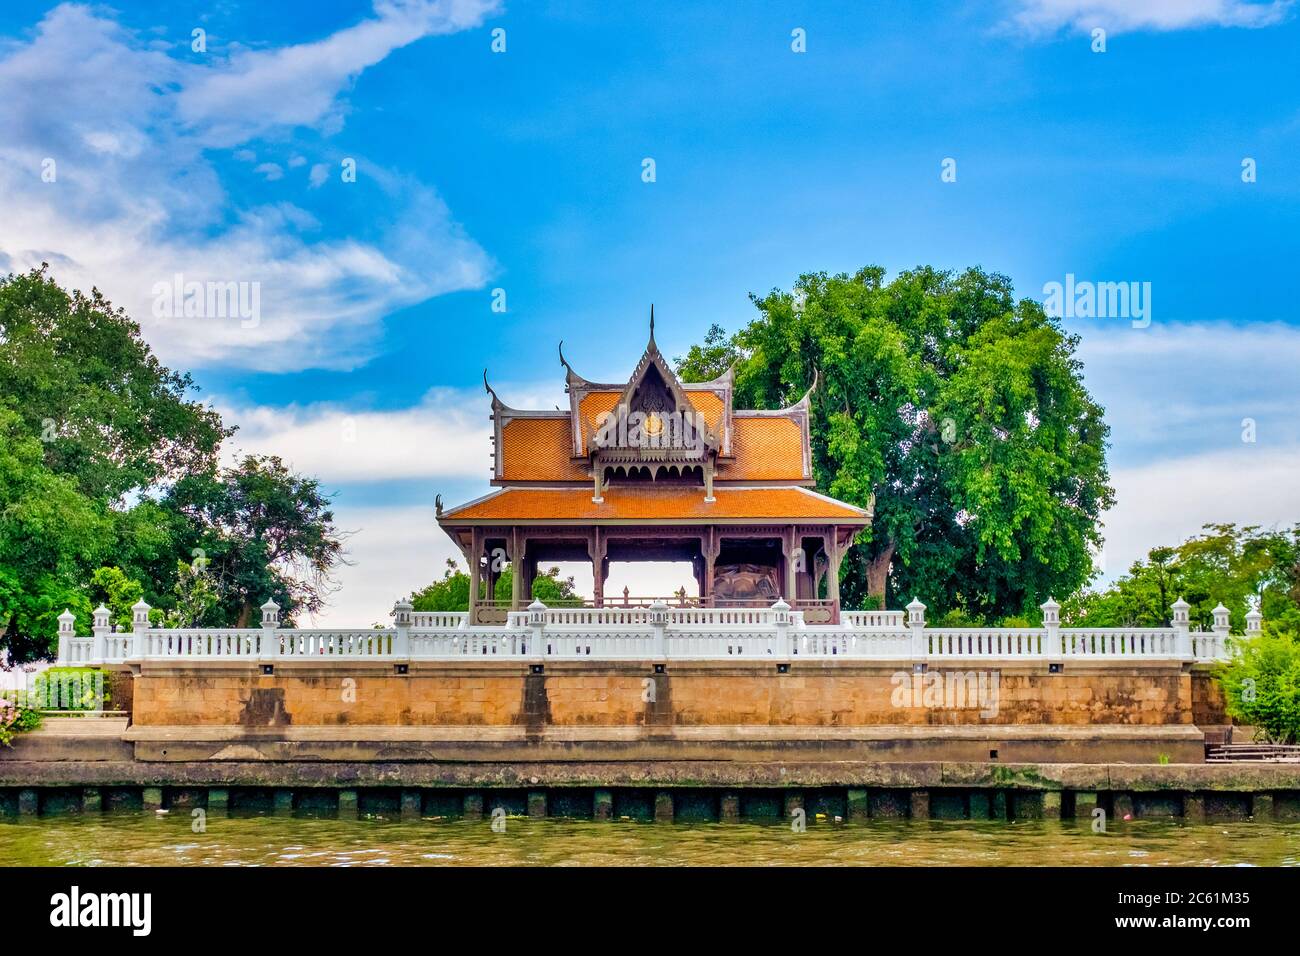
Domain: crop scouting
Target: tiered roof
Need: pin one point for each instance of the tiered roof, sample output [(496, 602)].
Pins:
[(759, 463)]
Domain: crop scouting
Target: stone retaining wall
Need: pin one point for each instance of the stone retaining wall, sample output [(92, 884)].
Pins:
[(641, 693)]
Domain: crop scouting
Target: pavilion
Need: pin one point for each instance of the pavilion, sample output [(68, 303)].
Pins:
[(654, 469)]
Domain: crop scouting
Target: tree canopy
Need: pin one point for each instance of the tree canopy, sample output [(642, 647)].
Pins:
[(111, 488), (1224, 564), (959, 411), (451, 591)]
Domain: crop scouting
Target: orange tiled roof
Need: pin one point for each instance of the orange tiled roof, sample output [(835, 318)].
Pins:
[(539, 449), (648, 504), (765, 449)]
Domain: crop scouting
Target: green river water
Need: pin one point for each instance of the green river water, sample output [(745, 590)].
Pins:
[(247, 840)]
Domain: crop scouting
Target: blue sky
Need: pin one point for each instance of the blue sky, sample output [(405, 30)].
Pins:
[(522, 171)]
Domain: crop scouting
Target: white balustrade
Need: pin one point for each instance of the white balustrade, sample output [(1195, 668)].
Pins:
[(873, 620), (975, 642), (635, 633), (440, 619), (1160, 642)]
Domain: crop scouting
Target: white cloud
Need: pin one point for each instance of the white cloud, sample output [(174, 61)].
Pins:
[(1119, 16), (1167, 502), (392, 552), (319, 173), (445, 436), (1181, 387), (137, 198), (271, 171)]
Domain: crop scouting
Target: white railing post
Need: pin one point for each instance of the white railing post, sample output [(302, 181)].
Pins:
[(270, 624), (1253, 621), (1051, 628), (1182, 630), (781, 622), (102, 628), (1221, 627), (402, 622), (67, 631), (659, 622), (140, 628), (916, 621), (537, 621)]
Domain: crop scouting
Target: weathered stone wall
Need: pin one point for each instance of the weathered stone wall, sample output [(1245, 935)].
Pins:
[(1207, 699), (814, 694)]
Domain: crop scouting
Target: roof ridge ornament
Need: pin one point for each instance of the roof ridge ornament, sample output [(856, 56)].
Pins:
[(497, 404), (807, 396)]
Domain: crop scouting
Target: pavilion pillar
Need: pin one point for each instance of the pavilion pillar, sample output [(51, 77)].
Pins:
[(516, 569), (710, 546), (789, 547), (489, 574), (475, 553), (833, 572), (596, 546)]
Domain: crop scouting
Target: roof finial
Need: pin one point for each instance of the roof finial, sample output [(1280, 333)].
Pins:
[(490, 390), (652, 324)]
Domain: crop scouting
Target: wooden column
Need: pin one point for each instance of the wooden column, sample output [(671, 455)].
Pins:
[(833, 572), (475, 553), (516, 568), (710, 547), (596, 545), (788, 547)]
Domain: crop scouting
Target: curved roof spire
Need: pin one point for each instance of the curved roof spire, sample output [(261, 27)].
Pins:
[(806, 401), (496, 399)]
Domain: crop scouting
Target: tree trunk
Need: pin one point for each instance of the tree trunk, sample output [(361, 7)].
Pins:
[(878, 571), (245, 615)]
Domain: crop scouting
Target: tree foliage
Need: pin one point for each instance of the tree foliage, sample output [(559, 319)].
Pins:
[(451, 591), (1261, 684), (1225, 563), (81, 377), (110, 489), (958, 411), (259, 531)]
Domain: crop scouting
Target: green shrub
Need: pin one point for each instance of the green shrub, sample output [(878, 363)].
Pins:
[(69, 688), (15, 717), (1261, 684)]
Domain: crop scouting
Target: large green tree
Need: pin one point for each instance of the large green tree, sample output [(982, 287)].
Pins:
[(110, 489), (80, 376), (259, 530), (958, 410)]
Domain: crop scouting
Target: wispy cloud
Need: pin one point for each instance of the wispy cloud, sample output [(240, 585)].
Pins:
[(107, 171), (1120, 16)]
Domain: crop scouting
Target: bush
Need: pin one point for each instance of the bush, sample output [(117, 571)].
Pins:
[(1261, 684), (69, 688), (16, 717)]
